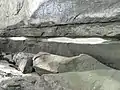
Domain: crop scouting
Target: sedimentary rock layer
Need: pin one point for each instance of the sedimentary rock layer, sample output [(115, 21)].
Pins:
[(110, 29)]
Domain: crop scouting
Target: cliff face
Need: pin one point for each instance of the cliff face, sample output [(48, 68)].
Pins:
[(59, 44)]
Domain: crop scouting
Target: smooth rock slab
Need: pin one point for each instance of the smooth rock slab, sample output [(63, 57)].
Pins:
[(24, 61), (49, 63)]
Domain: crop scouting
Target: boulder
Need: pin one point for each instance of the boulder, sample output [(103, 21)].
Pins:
[(49, 63), (24, 61)]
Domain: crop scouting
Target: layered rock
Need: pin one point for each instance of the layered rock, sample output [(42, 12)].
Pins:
[(87, 30)]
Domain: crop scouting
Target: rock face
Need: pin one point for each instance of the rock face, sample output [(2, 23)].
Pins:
[(88, 18), (77, 11), (46, 63), (11, 11), (24, 61), (93, 29)]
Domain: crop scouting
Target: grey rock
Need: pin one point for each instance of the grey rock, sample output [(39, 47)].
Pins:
[(50, 63), (77, 11), (24, 61), (12, 12), (47, 63), (9, 58), (6, 71), (88, 80), (80, 63), (25, 82), (93, 29)]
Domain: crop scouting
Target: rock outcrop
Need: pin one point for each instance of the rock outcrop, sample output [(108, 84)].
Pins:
[(67, 18)]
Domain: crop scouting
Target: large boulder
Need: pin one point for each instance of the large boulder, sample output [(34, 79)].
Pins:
[(50, 63), (47, 63), (24, 61)]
